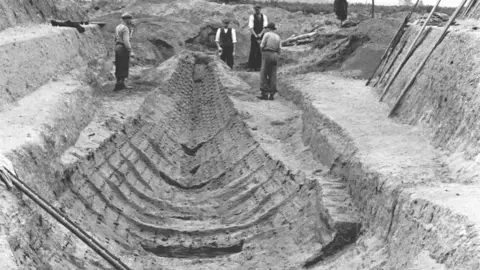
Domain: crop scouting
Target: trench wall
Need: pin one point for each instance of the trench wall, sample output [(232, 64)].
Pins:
[(36, 240), (408, 224), (33, 56), (444, 97)]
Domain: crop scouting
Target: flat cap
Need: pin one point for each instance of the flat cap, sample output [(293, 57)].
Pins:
[(127, 16), (226, 20), (271, 26), (257, 7)]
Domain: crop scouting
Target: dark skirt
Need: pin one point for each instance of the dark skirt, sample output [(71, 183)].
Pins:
[(255, 57), (341, 9), (122, 61)]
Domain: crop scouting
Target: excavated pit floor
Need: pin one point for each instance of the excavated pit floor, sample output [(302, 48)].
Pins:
[(185, 185)]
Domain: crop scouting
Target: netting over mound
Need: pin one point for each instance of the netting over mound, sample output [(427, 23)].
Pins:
[(186, 180)]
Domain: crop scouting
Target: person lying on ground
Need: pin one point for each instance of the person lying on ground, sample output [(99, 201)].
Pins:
[(226, 40), (68, 23), (271, 48)]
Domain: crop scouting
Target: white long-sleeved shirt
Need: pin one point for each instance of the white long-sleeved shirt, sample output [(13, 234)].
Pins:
[(251, 19), (122, 35), (234, 35)]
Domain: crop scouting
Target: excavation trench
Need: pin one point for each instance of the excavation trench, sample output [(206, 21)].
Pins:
[(185, 179)]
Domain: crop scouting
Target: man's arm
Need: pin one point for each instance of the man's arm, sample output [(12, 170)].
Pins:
[(234, 40), (126, 39), (265, 23), (250, 25), (264, 41), (217, 39)]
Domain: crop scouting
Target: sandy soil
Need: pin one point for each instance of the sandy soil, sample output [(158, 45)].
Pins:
[(399, 152), (277, 126), (182, 181), (113, 110), (26, 119)]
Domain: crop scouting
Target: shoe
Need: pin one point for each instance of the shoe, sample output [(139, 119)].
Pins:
[(263, 97), (119, 86), (271, 97)]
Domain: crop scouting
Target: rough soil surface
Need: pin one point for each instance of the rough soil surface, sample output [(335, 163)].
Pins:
[(190, 171), (21, 12), (33, 56), (26, 119), (164, 192), (173, 25), (397, 178)]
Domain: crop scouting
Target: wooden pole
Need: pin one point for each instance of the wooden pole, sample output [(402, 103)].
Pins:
[(394, 41), (409, 52), (387, 66), (414, 76), (471, 9), (72, 227), (467, 8), (373, 9)]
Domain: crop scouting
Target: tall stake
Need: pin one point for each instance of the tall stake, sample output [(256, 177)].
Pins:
[(472, 8), (373, 9), (394, 42), (409, 52), (442, 36)]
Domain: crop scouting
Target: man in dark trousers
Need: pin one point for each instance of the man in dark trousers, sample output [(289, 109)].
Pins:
[(271, 47), (256, 23), (123, 51), (226, 40), (341, 10)]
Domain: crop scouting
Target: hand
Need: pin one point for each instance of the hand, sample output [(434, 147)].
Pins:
[(233, 53), (132, 54), (220, 49)]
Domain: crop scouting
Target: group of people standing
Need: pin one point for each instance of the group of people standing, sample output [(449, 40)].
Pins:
[(264, 50)]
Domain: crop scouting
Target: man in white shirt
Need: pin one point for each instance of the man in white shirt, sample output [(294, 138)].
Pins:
[(256, 24), (123, 50), (226, 40)]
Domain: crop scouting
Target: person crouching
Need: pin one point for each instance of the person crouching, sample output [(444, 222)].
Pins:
[(271, 47), (226, 40)]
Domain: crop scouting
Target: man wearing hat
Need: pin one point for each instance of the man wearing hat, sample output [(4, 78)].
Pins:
[(256, 23), (123, 50), (226, 40), (271, 47)]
